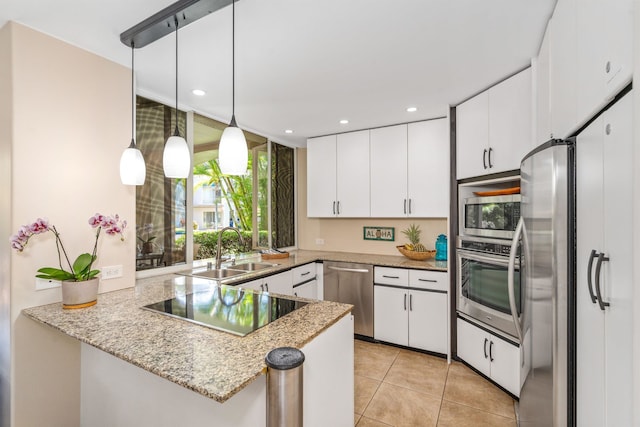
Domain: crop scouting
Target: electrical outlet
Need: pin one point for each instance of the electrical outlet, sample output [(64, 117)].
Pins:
[(46, 284), (319, 241), (111, 272)]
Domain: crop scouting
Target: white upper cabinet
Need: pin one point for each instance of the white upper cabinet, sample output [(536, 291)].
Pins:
[(591, 59), (410, 170), (493, 129), (428, 169), (472, 136), (338, 175), (389, 171), (321, 176)]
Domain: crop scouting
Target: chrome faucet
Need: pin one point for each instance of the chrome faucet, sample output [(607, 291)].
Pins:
[(218, 249)]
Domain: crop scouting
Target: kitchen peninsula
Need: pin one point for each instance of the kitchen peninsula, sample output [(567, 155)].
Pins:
[(143, 368)]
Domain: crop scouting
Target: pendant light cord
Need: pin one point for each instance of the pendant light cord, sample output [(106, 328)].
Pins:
[(133, 99), (176, 133), (233, 61)]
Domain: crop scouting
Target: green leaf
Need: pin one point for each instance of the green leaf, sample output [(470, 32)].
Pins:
[(54, 274), (82, 265)]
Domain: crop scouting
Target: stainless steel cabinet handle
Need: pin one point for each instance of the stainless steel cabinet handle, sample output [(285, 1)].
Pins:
[(428, 280), (390, 277), (592, 255), (490, 150), (405, 206), (603, 304), (305, 274), (491, 351), (409, 206), (410, 302), (334, 207), (262, 287), (484, 158), (405, 302), (295, 294), (353, 270), (485, 348), (338, 207)]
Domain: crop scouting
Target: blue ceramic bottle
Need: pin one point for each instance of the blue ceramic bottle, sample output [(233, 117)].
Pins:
[(441, 248)]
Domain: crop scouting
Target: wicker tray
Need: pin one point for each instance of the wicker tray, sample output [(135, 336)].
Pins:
[(417, 256)]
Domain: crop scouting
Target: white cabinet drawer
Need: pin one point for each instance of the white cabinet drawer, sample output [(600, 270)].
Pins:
[(303, 273), (425, 279), (391, 276)]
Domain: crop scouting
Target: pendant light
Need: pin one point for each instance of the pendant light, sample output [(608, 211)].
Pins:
[(232, 153), (176, 159), (132, 168)]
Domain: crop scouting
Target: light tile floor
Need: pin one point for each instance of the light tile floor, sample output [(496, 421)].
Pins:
[(398, 387)]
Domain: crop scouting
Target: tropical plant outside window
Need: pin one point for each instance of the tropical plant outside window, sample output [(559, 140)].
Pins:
[(255, 203)]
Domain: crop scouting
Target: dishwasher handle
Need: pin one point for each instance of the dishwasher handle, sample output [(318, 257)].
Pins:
[(351, 270)]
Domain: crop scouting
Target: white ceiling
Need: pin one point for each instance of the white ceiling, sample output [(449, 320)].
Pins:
[(306, 64)]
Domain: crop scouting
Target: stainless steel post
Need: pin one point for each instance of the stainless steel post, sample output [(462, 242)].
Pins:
[(284, 387)]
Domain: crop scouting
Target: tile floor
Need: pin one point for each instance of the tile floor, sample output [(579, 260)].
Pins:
[(397, 387)]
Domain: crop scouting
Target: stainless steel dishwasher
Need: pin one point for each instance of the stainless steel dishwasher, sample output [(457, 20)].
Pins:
[(352, 283)]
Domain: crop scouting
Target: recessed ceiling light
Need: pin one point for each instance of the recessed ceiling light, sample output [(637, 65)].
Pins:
[(344, 121), (288, 131), (199, 92), (412, 109)]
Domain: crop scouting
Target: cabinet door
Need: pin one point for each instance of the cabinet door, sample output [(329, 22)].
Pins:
[(617, 22), (509, 122), (473, 346), (353, 174), (255, 285), (505, 364), (281, 283), (617, 273), (590, 386), (428, 321), (389, 172), (428, 169), (472, 136), (303, 273), (307, 290), (562, 69), (321, 176), (391, 315)]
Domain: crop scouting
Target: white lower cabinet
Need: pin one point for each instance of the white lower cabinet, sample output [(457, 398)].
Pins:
[(491, 355), (307, 289), (255, 285), (281, 283), (408, 316)]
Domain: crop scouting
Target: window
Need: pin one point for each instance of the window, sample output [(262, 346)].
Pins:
[(260, 204)]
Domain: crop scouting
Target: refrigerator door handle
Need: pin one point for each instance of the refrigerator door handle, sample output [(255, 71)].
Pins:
[(601, 258), (510, 281), (592, 255)]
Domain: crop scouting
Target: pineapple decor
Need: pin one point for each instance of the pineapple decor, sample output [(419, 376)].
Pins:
[(414, 249)]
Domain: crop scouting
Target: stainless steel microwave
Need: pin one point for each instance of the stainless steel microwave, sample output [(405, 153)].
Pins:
[(491, 216)]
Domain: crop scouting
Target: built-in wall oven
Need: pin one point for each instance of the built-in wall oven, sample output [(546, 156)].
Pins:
[(483, 288)]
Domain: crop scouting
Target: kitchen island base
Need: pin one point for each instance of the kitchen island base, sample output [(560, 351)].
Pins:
[(115, 392)]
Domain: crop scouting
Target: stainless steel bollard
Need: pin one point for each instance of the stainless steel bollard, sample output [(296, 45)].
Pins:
[(284, 387)]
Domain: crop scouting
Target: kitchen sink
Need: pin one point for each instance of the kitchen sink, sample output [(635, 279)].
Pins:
[(252, 266), (217, 273)]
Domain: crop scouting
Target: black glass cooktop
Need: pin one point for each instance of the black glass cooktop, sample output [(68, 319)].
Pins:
[(228, 309)]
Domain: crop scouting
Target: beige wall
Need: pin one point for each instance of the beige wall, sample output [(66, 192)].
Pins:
[(346, 234), (71, 119)]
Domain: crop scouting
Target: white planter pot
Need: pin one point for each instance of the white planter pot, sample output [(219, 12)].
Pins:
[(79, 294)]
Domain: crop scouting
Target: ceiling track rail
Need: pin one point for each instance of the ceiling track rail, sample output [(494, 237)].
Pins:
[(164, 22)]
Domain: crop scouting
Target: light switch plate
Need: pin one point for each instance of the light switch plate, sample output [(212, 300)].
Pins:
[(111, 272), (42, 284)]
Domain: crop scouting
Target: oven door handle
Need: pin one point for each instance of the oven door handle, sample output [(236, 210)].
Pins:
[(499, 260), (510, 281)]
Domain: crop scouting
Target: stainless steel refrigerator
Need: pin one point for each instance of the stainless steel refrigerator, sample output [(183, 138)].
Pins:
[(548, 322)]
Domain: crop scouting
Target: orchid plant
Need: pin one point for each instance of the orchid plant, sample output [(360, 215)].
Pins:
[(80, 270)]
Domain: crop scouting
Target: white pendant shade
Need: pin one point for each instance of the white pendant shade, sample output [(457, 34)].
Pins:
[(176, 160), (233, 154), (132, 168)]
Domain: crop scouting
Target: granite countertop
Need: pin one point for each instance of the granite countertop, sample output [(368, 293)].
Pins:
[(213, 363), (301, 257)]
